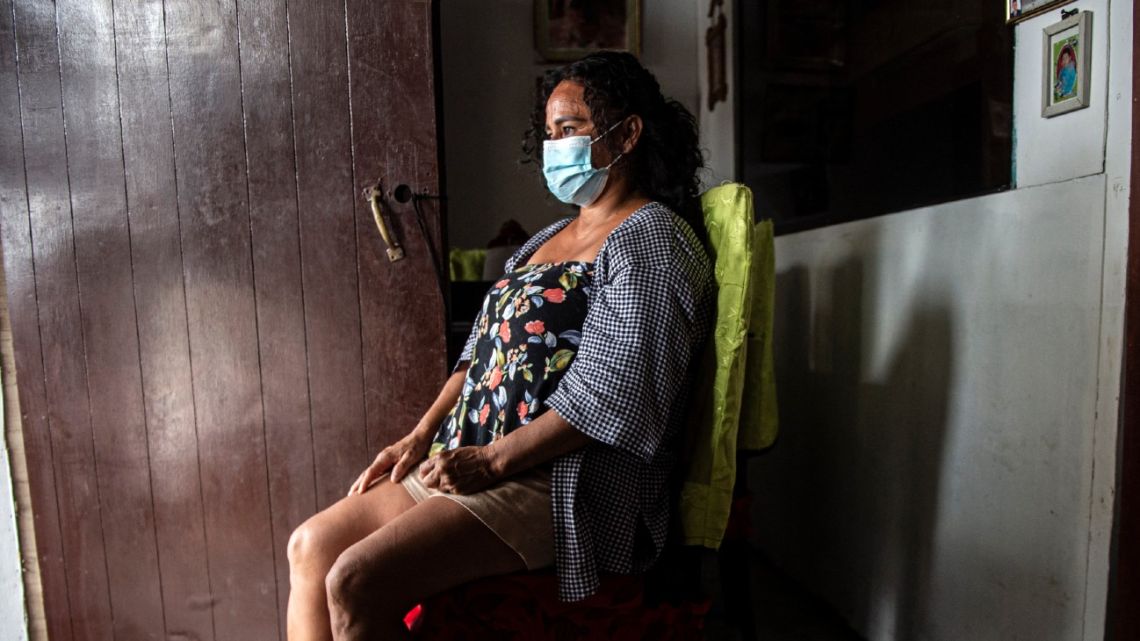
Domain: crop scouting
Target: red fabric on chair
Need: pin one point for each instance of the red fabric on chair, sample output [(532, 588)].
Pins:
[(526, 606)]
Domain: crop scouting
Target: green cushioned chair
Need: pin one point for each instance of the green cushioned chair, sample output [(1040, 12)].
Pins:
[(734, 375)]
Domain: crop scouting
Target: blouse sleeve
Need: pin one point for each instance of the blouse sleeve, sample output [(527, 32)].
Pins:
[(638, 338)]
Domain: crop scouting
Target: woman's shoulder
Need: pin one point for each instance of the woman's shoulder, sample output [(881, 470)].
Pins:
[(655, 236)]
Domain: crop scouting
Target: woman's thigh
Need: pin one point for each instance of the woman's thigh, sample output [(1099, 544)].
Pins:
[(436, 545), (322, 538)]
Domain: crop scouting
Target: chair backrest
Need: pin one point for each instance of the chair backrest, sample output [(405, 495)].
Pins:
[(733, 406), (714, 414), (759, 411)]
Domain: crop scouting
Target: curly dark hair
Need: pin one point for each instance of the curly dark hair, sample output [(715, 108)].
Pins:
[(665, 162)]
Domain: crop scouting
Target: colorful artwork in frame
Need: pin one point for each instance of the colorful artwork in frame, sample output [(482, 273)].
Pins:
[(1018, 10), (1067, 65), (569, 29)]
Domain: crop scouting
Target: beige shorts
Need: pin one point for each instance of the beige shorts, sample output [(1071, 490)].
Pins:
[(517, 509)]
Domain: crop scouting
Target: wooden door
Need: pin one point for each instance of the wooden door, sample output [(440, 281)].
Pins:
[(210, 341)]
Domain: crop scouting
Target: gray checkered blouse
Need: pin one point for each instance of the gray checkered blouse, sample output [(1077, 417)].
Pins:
[(651, 306)]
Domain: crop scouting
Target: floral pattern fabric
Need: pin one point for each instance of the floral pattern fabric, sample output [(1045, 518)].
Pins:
[(527, 333)]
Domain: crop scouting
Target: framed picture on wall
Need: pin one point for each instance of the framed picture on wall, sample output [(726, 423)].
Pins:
[(1018, 10), (569, 29), (1067, 65)]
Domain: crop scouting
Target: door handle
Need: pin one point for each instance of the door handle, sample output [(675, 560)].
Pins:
[(395, 252)]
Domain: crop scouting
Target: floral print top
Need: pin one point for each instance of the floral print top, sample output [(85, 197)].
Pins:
[(528, 332)]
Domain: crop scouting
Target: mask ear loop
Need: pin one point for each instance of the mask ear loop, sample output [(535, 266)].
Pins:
[(604, 134)]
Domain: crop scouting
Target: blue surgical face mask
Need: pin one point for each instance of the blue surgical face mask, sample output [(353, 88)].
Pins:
[(569, 169)]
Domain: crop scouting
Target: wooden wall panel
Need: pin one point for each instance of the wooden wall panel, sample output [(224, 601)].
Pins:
[(394, 95), (264, 29), (164, 351), (206, 101), (19, 270), (326, 196), (62, 349), (210, 341), (106, 302)]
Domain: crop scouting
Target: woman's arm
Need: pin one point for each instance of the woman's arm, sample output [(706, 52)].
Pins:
[(442, 405), (466, 470), (407, 451)]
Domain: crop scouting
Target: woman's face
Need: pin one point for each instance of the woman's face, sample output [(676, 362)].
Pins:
[(567, 114)]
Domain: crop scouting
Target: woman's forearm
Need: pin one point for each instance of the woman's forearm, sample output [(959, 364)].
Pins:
[(546, 437), (442, 405)]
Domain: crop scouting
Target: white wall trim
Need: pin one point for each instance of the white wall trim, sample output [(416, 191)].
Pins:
[(1117, 165)]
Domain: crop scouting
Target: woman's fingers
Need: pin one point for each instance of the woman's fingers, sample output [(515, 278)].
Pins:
[(401, 467), (429, 472), (369, 474), (394, 459), (357, 484), (385, 459)]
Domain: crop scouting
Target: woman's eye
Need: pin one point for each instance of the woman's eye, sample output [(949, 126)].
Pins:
[(566, 131)]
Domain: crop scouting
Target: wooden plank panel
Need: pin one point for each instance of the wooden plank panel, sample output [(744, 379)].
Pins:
[(148, 155), (202, 46), (103, 261), (263, 25), (328, 246), (393, 97), (69, 420), (19, 270)]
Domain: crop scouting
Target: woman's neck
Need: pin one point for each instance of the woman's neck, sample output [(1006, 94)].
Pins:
[(616, 202)]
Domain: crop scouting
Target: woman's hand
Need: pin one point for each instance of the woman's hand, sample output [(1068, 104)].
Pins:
[(464, 470), (397, 457)]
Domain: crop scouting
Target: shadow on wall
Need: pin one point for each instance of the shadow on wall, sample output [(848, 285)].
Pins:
[(846, 500)]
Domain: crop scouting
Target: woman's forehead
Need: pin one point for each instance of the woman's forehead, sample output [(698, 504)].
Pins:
[(567, 99)]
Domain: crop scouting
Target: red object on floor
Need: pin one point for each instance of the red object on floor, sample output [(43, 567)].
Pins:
[(412, 618), (526, 606)]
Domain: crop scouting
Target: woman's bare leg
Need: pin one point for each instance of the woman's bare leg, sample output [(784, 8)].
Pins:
[(316, 544), (434, 546)]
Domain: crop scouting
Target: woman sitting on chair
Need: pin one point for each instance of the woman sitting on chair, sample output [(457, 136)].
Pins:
[(597, 318)]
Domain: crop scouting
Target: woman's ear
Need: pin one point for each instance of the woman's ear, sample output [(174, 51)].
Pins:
[(631, 129)]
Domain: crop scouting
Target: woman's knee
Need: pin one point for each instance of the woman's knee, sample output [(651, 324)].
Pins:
[(357, 585), (309, 548), (344, 582)]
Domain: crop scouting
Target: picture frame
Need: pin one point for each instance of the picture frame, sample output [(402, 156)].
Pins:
[(715, 43), (1018, 10), (566, 30), (1066, 65)]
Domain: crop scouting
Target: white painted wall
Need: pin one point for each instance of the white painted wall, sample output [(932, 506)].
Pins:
[(718, 125), (949, 382), (1080, 133), (489, 71), (13, 617)]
